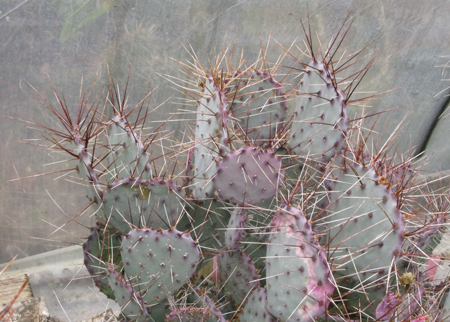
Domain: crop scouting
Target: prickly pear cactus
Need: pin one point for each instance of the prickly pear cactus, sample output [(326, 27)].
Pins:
[(371, 230), (259, 106), (159, 262), (319, 114), (210, 137), (255, 308), (300, 283), (248, 176), (279, 209)]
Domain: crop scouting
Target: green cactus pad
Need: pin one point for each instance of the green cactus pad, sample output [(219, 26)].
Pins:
[(99, 250), (84, 168), (130, 301), (362, 223), (259, 105), (140, 203), (206, 221), (299, 284), (238, 273), (159, 262), (319, 115), (249, 176), (210, 137), (235, 229), (127, 157), (255, 307), (255, 239)]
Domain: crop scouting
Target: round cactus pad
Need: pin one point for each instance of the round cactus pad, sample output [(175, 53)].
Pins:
[(159, 262), (249, 176)]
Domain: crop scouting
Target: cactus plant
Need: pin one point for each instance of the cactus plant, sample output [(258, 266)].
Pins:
[(278, 197)]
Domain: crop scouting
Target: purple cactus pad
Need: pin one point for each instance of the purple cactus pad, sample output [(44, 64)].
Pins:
[(249, 176)]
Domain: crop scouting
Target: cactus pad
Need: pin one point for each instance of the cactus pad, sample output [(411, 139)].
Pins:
[(99, 250), (210, 136), (132, 202), (299, 284), (319, 115), (158, 261), (127, 157), (259, 104), (255, 308), (238, 273), (249, 176), (365, 228), (235, 229), (130, 301)]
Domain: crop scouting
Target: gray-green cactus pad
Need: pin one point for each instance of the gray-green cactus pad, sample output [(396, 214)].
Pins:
[(319, 115), (130, 301), (255, 307), (235, 228), (363, 224), (127, 157), (259, 105), (238, 273), (299, 281), (132, 202), (84, 169), (159, 262), (99, 250), (249, 176), (210, 136)]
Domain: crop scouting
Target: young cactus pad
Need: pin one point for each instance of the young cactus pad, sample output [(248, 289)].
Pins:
[(210, 136), (319, 115), (127, 157), (259, 104)]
